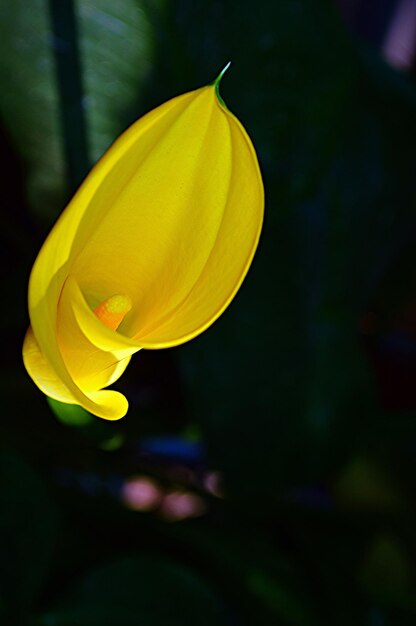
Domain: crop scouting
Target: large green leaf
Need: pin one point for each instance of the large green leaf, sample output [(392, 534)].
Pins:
[(116, 44)]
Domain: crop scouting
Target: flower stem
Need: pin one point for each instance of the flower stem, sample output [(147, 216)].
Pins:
[(69, 78)]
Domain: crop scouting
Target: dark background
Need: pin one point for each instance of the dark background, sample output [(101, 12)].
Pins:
[(266, 471)]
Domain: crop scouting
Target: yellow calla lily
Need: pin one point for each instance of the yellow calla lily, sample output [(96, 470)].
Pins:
[(149, 252)]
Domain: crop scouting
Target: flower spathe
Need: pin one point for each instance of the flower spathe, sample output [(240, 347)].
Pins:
[(149, 252)]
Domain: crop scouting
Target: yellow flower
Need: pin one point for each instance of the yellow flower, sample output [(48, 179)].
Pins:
[(149, 252)]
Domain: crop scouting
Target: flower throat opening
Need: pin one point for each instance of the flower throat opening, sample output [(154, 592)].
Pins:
[(112, 311)]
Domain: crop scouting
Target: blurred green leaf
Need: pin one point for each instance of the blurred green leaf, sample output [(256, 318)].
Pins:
[(363, 486), (387, 571), (139, 590), (282, 601), (29, 101), (117, 44), (27, 536), (117, 49), (101, 432), (70, 414)]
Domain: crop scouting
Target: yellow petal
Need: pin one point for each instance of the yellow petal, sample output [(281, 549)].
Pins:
[(89, 367), (40, 370), (46, 378), (45, 358), (170, 219), (188, 217)]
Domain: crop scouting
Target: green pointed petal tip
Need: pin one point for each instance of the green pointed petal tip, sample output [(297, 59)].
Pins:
[(217, 81)]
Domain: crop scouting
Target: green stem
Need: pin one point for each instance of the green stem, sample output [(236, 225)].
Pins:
[(69, 78)]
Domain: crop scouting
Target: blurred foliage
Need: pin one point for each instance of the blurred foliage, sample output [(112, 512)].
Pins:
[(27, 536), (300, 398), (116, 43), (144, 590)]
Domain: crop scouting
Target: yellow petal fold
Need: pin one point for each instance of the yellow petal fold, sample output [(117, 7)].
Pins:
[(170, 219)]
